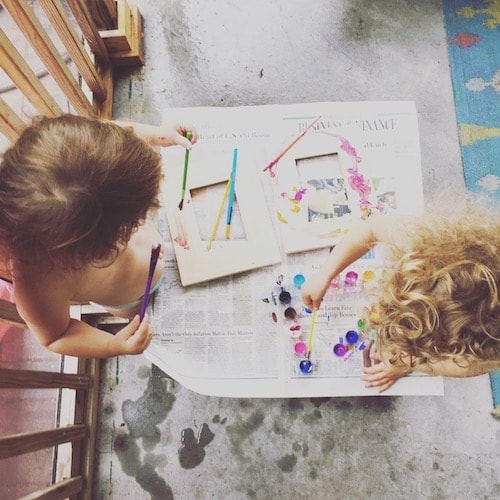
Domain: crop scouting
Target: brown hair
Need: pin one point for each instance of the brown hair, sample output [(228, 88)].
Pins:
[(72, 189), (439, 299)]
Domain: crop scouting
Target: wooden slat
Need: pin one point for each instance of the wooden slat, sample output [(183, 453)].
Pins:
[(104, 13), (89, 29), (58, 491), (25, 79), (32, 379), (131, 53), (82, 434), (105, 108), (83, 458), (18, 444), (34, 32), (10, 124), (119, 39), (58, 18), (9, 314)]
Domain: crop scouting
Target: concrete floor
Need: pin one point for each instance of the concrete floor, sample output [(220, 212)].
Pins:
[(158, 440)]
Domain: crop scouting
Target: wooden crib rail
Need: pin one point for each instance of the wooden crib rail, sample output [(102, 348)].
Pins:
[(97, 35)]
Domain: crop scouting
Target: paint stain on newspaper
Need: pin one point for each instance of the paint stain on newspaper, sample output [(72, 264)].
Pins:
[(192, 451)]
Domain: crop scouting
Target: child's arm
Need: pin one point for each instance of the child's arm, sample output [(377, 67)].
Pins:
[(82, 340), (163, 135), (449, 368), (349, 249), (46, 312), (383, 375)]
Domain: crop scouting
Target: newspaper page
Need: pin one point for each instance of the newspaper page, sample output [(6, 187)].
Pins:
[(248, 334)]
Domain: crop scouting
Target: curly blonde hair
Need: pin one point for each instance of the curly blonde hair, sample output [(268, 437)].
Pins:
[(438, 299)]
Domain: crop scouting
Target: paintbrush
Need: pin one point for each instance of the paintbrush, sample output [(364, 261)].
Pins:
[(219, 214), (231, 194), (184, 177), (290, 146), (155, 253), (311, 331)]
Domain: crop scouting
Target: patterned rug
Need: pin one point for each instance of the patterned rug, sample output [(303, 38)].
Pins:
[(473, 32)]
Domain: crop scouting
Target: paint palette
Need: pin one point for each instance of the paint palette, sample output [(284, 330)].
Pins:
[(340, 337)]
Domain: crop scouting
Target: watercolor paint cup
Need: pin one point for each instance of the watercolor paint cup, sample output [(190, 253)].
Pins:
[(351, 337), (351, 278), (305, 366), (361, 324), (300, 348), (368, 275), (295, 331), (285, 297), (362, 346), (299, 280), (335, 282), (374, 314), (339, 350), (290, 313)]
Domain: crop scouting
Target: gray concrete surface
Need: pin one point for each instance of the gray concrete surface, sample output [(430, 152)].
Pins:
[(159, 440)]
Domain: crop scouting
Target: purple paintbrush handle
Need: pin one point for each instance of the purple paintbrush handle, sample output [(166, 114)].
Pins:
[(155, 253)]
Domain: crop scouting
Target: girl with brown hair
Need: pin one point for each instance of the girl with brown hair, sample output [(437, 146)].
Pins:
[(75, 194)]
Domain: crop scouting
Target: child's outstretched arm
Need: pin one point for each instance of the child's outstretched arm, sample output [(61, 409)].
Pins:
[(383, 375), (82, 340), (45, 309), (164, 135), (350, 248)]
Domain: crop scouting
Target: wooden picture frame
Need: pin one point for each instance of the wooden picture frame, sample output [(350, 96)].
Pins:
[(315, 203), (253, 242)]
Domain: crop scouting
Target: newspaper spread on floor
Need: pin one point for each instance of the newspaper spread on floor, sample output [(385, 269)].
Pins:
[(240, 335)]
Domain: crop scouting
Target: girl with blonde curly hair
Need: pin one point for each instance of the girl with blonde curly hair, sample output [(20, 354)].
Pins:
[(75, 194), (437, 305)]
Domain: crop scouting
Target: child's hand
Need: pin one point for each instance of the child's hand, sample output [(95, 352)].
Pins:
[(163, 135), (132, 339), (381, 375), (314, 289), (174, 134)]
